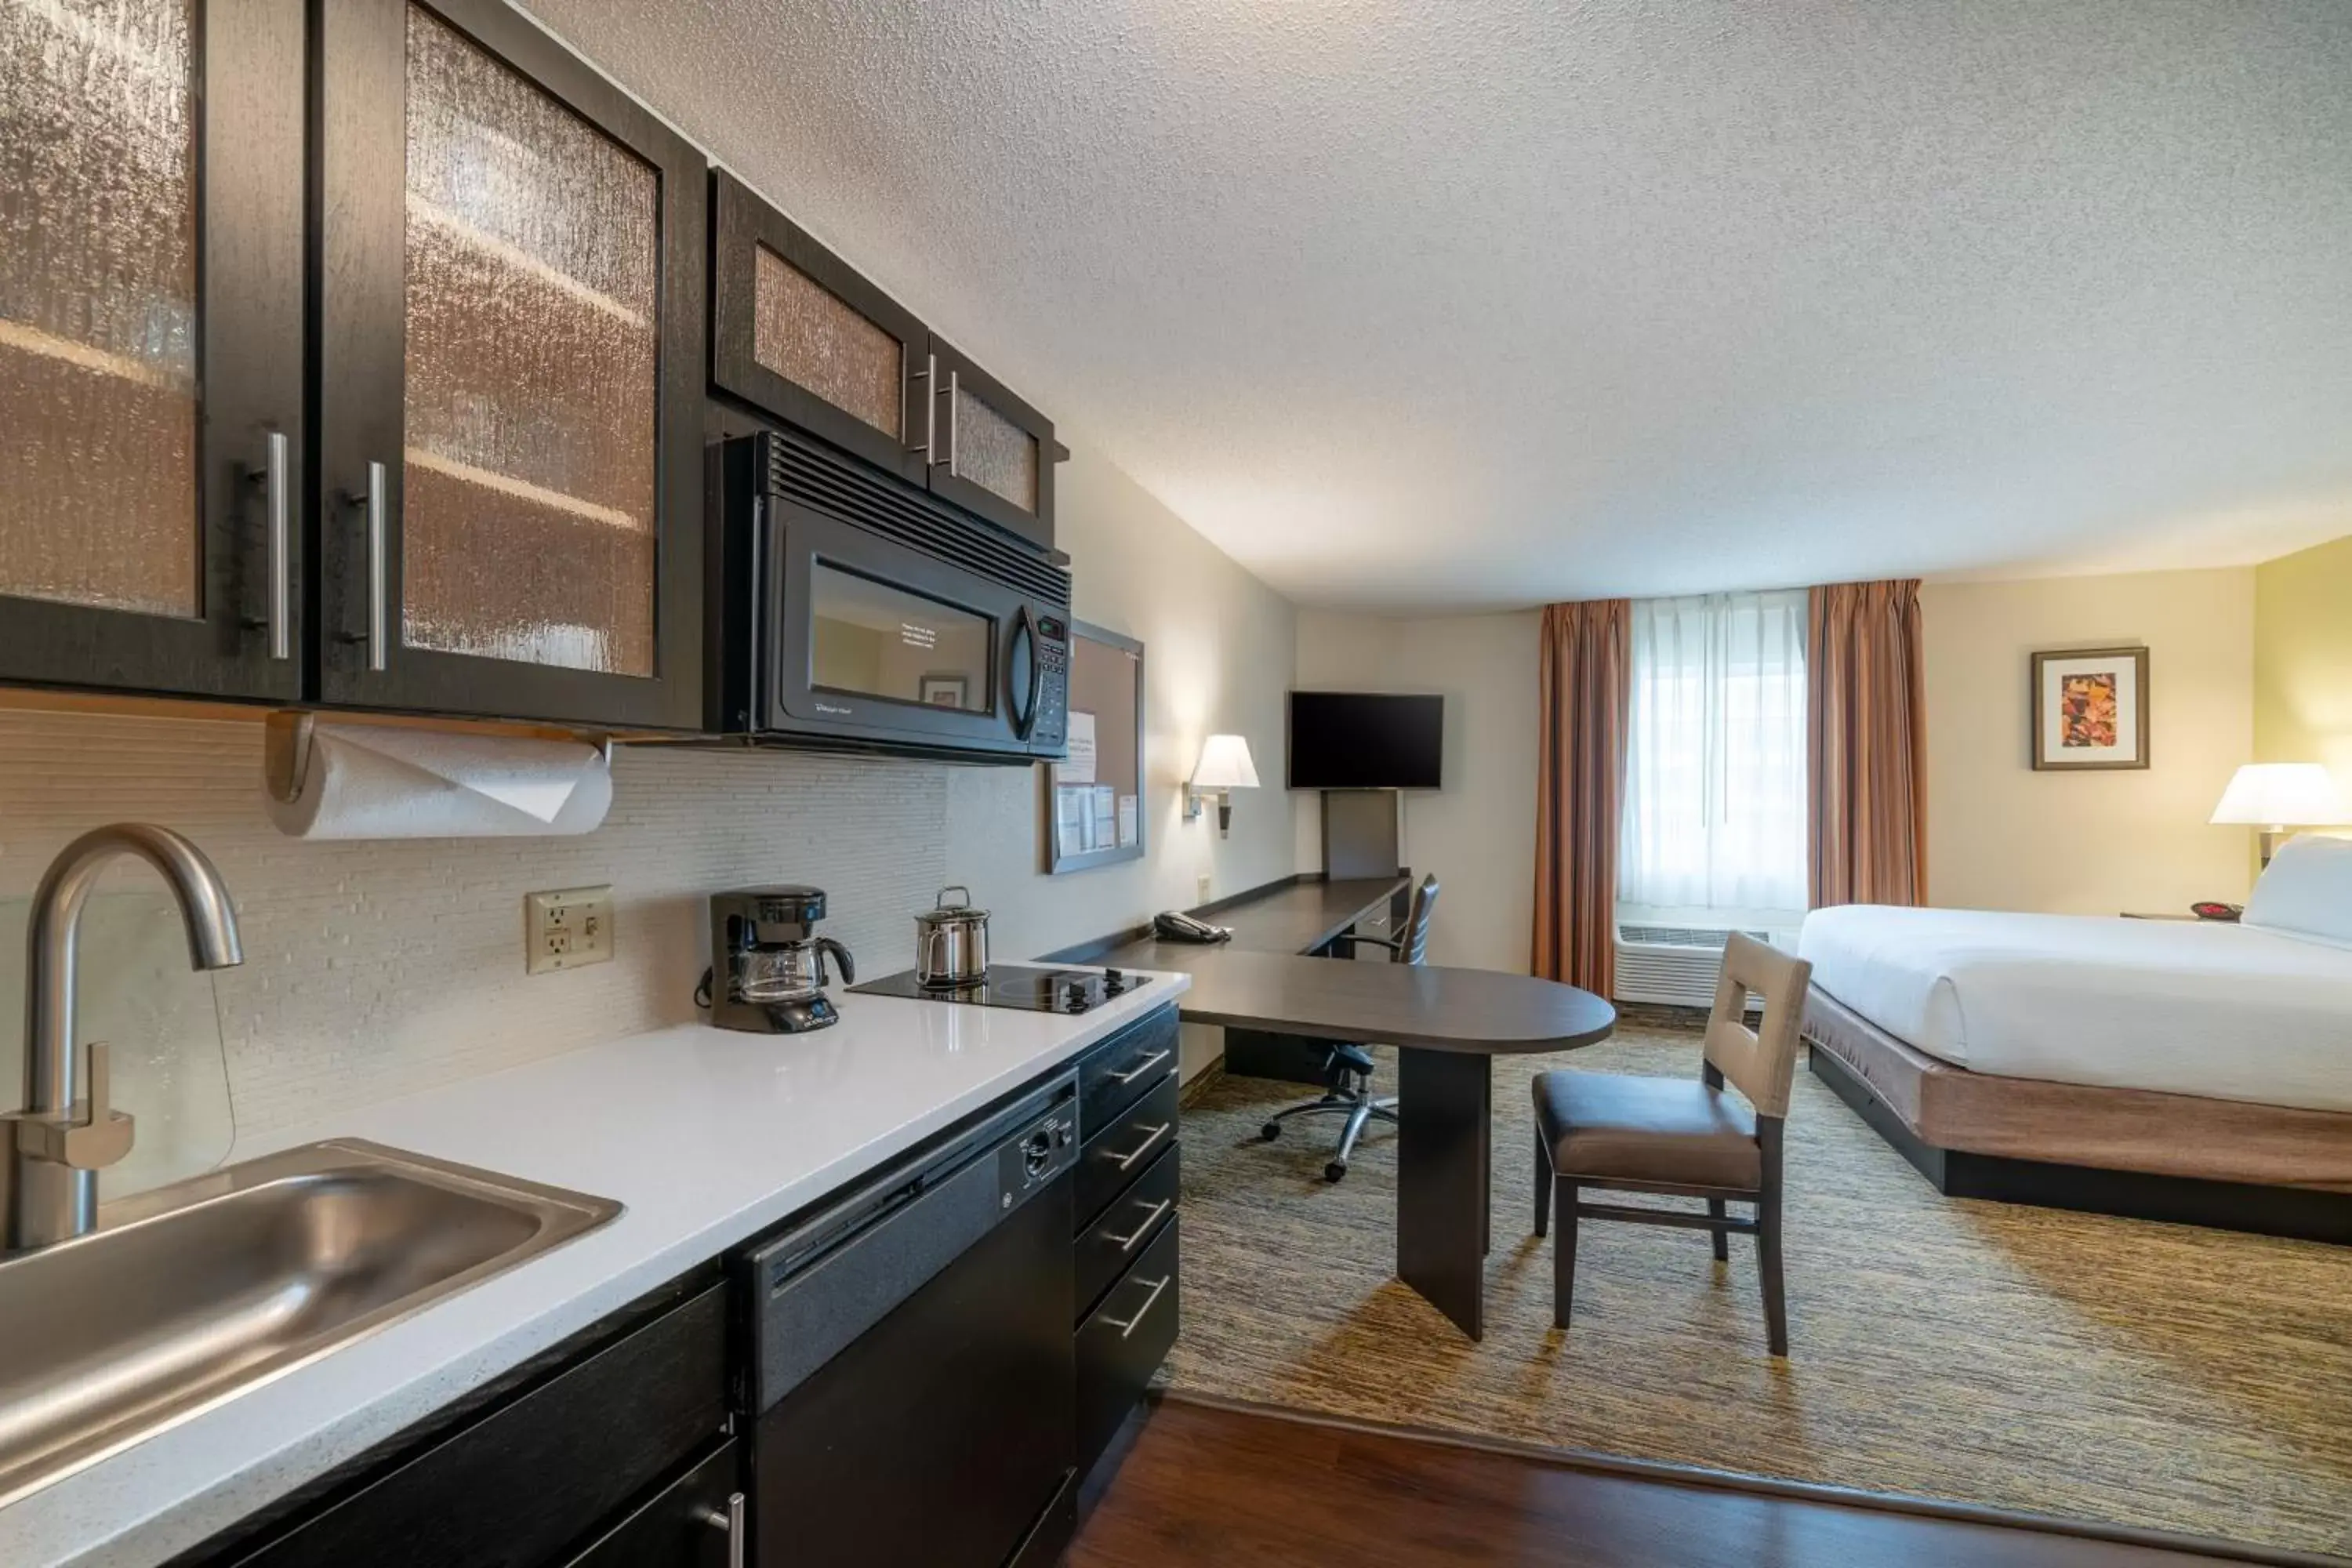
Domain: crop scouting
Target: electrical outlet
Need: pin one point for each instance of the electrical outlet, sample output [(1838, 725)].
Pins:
[(567, 927), (1200, 888)]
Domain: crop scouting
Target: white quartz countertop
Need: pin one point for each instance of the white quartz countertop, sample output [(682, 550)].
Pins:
[(707, 1137)]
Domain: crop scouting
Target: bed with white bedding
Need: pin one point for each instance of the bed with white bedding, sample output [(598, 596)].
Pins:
[(2038, 1058)]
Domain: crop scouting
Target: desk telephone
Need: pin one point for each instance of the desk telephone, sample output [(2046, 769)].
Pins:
[(1177, 926)]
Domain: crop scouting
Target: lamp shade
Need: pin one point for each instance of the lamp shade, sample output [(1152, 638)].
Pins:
[(2283, 795), (1224, 765)]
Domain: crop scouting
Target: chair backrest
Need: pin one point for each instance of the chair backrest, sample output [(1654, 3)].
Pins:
[(1413, 942), (1759, 1062)]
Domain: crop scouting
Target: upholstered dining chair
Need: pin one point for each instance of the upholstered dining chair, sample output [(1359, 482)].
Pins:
[(1683, 1138), (1347, 1066)]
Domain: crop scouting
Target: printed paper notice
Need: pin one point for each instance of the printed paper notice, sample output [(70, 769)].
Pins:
[(1080, 767), (1072, 817), (1126, 820)]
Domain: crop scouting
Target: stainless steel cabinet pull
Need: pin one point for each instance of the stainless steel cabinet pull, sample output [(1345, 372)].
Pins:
[(1155, 1134), (955, 386), (1140, 1068), (1126, 1243), (731, 1521), (1149, 1301), (379, 572), (281, 546), (929, 377)]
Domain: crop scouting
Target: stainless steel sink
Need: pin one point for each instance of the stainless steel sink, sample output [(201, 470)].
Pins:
[(191, 1294)]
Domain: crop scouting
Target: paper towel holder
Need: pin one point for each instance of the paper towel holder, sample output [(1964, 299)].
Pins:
[(286, 753)]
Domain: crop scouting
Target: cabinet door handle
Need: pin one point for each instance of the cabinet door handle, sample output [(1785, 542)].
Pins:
[(731, 1521), (955, 386), (1140, 1068), (1153, 1136), (1126, 1243), (929, 377), (281, 546), (1149, 1301), (379, 588)]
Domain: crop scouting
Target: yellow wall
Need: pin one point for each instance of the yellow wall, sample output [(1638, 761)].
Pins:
[(2002, 836), (2303, 658)]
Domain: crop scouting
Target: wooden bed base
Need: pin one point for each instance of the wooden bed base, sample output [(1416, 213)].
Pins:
[(2271, 1169)]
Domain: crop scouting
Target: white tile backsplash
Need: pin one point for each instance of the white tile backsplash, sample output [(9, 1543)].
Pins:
[(375, 969)]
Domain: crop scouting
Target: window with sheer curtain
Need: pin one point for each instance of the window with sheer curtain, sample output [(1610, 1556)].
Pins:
[(1713, 825)]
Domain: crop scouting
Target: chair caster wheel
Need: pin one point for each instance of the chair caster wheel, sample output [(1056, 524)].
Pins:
[(1269, 1132), (1334, 1170)]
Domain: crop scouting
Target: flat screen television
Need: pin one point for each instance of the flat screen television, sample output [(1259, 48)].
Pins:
[(1365, 740)]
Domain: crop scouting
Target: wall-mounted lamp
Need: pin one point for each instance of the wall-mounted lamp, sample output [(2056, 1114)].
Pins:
[(2276, 796), (1225, 767)]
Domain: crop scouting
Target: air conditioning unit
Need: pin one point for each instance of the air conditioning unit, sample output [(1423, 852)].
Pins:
[(1678, 964)]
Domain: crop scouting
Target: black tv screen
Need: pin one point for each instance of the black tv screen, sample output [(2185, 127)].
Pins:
[(1365, 740)]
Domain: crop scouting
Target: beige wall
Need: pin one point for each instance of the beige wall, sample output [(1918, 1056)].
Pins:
[(1477, 833), (1218, 649), (2000, 835), (2303, 658)]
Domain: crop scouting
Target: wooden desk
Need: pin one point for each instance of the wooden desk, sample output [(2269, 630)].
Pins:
[(1447, 1023)]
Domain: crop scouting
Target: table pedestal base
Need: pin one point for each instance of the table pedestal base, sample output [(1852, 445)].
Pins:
[(1445, 1104)]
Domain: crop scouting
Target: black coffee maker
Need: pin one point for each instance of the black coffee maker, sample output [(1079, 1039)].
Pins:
[(767, 964)]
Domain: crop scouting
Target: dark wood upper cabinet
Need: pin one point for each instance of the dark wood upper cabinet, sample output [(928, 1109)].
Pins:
[(151, 347), (509, 275), (798, 333)]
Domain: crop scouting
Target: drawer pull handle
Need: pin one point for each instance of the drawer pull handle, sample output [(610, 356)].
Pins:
[(281, 545), (1140, 1068), (731, 1521), (1143, 1311), (1153, 1135), (1126, 1243)]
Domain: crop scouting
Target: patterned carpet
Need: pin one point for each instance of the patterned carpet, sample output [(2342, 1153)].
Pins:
[(2060, 1364)]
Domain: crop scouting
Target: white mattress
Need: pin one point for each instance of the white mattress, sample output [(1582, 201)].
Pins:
[(2184, 1007)]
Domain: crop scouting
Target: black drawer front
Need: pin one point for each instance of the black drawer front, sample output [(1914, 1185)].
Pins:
[(1125, 1228), (1117, 1154), (1125, 1068), (542, 1470), (690, 1524), (1123, 1343)]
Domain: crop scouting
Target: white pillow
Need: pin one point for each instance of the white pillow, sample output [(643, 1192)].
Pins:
[(2306, 891)]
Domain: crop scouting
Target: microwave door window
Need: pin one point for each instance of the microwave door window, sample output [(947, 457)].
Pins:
[(873, 640)]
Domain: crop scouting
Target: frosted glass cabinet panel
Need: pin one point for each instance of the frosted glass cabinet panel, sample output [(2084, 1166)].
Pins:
[(512, 472), (800, 335), (150, 225)]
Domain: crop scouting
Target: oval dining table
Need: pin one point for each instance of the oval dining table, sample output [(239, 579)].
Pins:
[(1448, 1026)]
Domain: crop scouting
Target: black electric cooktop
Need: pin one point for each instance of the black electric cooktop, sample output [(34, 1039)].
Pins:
[(1029, 985)]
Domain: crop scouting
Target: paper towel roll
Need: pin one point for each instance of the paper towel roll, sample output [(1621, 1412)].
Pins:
[(379, 781)]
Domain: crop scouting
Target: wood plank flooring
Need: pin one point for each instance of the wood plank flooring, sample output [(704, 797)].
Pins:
[(1212, 1486)]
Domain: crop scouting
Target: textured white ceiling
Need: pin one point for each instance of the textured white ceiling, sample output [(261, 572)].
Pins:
[(1412, 303)]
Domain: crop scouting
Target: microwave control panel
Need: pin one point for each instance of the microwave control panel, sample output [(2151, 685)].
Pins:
[(1054, 687)]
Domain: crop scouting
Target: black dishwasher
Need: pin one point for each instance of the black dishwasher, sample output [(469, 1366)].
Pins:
[(909, 1377)]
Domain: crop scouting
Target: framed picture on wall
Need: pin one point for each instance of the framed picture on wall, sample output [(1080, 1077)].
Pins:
[(2090, 708), (944, 691)]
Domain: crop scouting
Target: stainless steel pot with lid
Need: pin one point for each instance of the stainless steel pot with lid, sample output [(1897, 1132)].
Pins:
[(951, 942)]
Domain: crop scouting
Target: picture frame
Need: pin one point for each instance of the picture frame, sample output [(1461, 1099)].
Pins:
[(1094, 808), (947, 691), (2090, 708)]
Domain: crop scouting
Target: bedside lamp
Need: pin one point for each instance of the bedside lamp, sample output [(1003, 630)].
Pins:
[(1225, 767), (2276, 796)]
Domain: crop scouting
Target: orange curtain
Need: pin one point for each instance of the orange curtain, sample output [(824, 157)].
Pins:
[(1866, 756), (1588, 656)]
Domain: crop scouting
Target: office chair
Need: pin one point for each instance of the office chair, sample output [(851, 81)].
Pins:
[(1348, 1067)]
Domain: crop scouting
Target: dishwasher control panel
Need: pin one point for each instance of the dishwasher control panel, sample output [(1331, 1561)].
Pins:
[(1038, 1153)]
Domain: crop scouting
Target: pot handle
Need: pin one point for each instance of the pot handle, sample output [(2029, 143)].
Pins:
[(962, 903)]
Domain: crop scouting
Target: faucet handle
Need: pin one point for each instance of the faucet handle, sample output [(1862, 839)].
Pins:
[(101, 1137)]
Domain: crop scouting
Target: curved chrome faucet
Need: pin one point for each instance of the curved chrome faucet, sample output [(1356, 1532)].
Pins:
[(58, 1144)]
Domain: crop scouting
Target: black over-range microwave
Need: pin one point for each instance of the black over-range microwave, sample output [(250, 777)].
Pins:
[(859, 614)]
